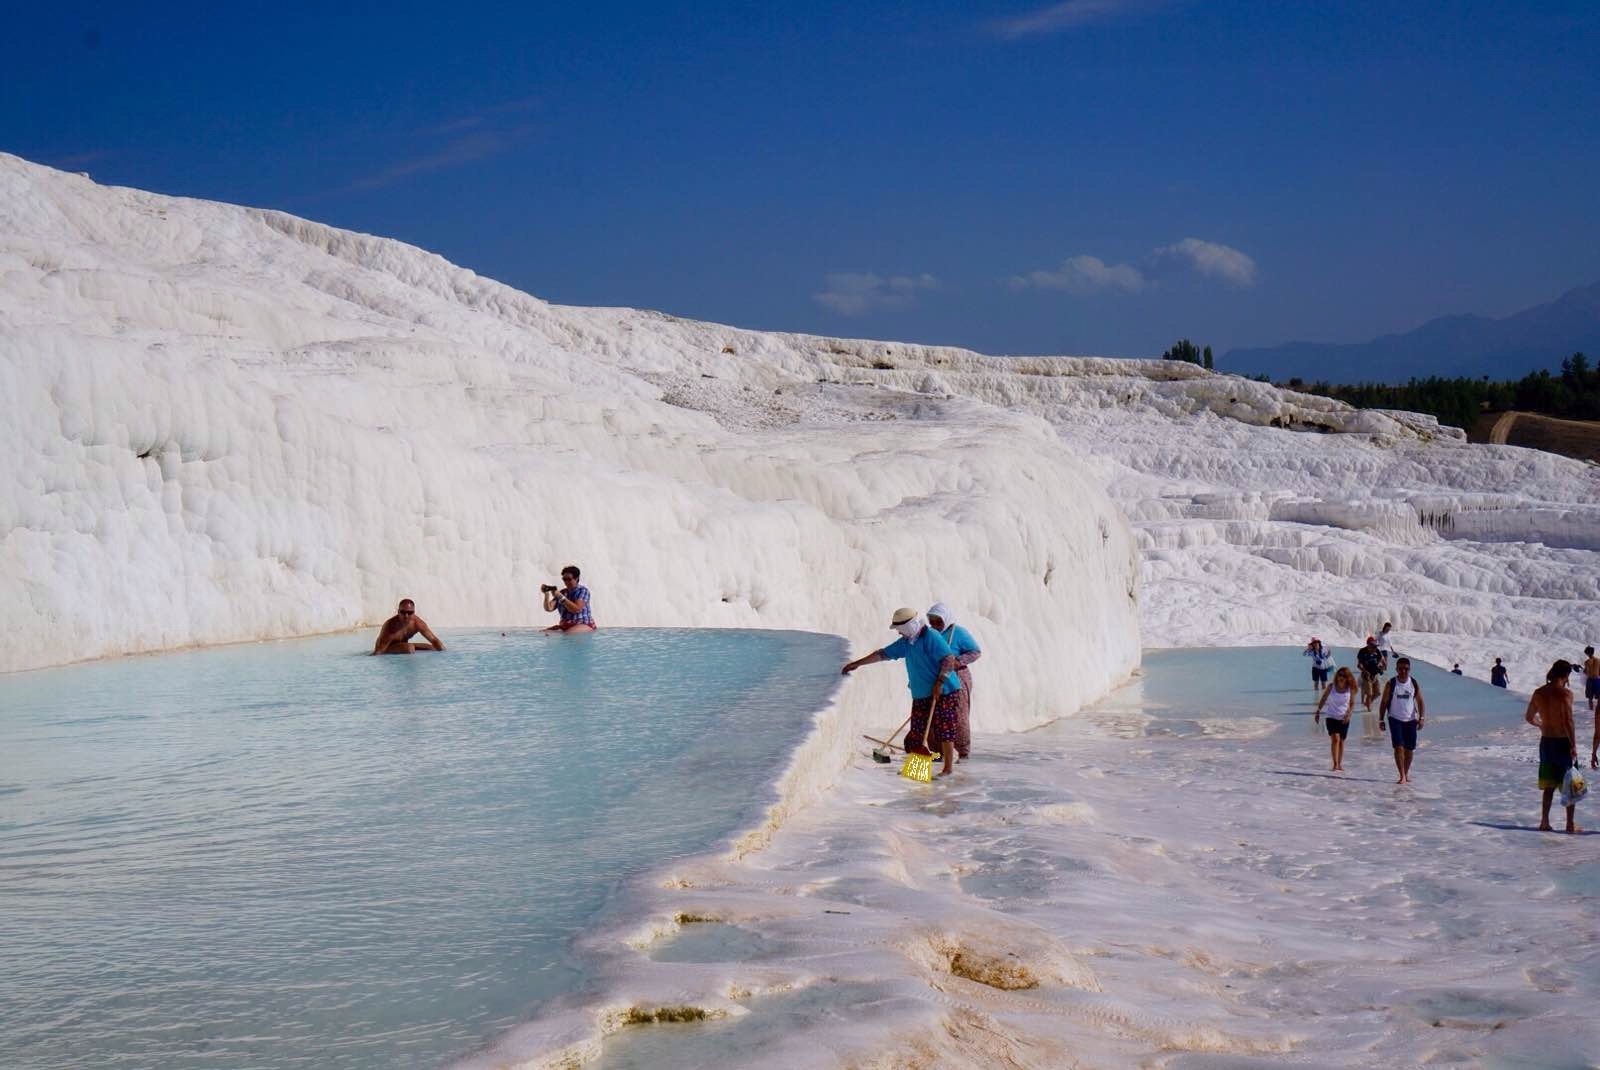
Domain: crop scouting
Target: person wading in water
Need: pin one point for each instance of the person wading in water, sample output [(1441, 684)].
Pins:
[(1343, 693), (1402, 705), (394, 637), (931, 677), (967, 651)]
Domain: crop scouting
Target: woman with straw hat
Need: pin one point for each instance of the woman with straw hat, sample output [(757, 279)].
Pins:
[(931, 677)]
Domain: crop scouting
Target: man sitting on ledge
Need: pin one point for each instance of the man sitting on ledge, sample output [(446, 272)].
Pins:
[(395, 635)]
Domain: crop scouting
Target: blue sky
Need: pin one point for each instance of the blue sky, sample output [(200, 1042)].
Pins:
[(1088, 176)]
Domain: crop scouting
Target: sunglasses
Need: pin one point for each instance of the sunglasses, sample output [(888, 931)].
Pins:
[(408, 612)]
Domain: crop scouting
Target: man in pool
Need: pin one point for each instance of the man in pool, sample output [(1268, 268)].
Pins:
[(1402, 706), (1550, 711), (395, 635), (571, 601)]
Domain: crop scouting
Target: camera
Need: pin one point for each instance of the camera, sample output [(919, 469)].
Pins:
[(547, 588)]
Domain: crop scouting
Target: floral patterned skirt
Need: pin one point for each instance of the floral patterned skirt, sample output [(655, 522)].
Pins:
[(964, 713), (946, 723)]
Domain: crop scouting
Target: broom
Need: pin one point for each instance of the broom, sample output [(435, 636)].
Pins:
[(880, 753), (920, 766)]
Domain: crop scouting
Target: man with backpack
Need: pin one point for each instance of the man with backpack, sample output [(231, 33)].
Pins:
[(1402, 707), (1369, 659)]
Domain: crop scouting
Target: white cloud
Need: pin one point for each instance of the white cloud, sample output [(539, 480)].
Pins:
[(1067, 15), (857, 293), (1084, 275), (458, 142), (1210, 259)]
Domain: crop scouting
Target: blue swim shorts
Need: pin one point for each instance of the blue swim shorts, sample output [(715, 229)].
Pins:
[(1403, 733)]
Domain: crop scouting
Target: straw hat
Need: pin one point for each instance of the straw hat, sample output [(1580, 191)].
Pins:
[(902, 616)]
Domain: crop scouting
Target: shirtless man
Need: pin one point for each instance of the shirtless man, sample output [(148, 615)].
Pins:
[(395, 635), (1550, 711)]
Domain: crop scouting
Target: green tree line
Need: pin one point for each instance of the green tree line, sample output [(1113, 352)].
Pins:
[(1573, 394), (1189, 353)]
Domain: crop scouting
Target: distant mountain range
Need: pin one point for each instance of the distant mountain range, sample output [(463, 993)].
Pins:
[(1508, 348)]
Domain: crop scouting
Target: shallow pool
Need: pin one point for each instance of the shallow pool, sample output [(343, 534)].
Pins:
[(294, 855), (1192, 686)]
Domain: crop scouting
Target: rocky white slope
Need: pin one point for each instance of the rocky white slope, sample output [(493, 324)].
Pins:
[(225, 424), (231, 424), (1262, 515)]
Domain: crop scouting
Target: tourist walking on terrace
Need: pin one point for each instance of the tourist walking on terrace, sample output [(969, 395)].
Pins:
[(1550, 711), (1402, 705), (1321, 662), (1343, 693), (571, 601), (1386, 641), (932, 680), (1591, 677), (967, 651), (1369, 659), (394, 636), (1497, 675)]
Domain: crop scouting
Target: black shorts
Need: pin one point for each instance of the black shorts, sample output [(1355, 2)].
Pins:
[(1338, 728), (1403, 733), (1319, 676), (1555, 758)]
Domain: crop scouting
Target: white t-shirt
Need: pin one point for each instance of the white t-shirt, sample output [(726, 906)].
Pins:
[(1322, 659), (1340, 703), (1384, 644), (1403, 700)]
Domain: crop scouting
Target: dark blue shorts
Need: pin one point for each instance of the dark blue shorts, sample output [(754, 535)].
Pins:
[(1319, 676), (1403, 733), (1591, 687), (1338, 728)]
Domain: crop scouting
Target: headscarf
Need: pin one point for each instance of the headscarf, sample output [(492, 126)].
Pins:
[(942, 611)]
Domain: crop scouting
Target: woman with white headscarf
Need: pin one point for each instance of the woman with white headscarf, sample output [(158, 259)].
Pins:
[(966, 651)]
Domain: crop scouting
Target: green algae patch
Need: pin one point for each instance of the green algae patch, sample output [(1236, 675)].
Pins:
[(653, 1016)]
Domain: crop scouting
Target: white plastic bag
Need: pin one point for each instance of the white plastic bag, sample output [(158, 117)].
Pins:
[(1574, 786)]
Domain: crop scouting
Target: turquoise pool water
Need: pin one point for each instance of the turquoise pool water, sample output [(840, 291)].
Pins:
[(294, 855), (1190, 684)]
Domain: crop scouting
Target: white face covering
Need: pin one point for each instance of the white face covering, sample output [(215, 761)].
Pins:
[(910, 629)]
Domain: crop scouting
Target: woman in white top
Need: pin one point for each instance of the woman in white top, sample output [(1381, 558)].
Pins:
[(1321, 663), (1343, 694)]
